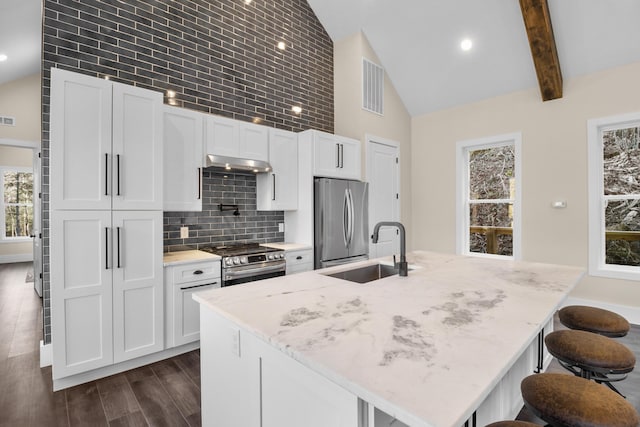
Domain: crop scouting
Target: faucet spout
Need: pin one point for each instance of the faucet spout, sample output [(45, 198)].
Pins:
[(402, 266)]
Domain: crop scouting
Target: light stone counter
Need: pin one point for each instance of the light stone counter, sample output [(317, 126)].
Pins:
[(287, 246), (426, 349), (184, 257)]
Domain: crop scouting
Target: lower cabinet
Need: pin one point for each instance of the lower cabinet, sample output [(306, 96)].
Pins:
[(246, 382), (106, 288), (182, 313), (299, 261)]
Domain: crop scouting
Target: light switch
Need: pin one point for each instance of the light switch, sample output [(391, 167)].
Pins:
[(184, 232), (281, 227)]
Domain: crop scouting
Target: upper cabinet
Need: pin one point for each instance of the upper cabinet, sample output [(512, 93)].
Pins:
[(183, 151), (105, 144), (335, 156), (278, 189), (234, 138)]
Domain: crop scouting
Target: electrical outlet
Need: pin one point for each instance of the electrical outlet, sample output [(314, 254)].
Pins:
[(281, 227), (184, 232)]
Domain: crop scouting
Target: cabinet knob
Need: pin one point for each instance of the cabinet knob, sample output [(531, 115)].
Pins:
[(197, 272), (299, 257)]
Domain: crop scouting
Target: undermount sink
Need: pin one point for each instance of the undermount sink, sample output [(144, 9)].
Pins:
[(365, 274)]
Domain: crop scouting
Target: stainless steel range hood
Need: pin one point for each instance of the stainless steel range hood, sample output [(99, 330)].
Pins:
[(234, 163)]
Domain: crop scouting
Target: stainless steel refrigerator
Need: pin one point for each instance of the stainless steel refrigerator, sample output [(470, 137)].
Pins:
[(341, 221)]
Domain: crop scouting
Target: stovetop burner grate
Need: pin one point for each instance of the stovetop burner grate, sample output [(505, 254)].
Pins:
[(237, 249)]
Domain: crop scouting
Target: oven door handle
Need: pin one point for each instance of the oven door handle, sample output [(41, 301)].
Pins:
[(230, 275)]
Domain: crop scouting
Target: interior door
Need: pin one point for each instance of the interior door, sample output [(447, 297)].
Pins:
[(331, 221), (383, 174)]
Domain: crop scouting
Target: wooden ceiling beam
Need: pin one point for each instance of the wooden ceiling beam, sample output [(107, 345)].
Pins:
[(543, 47)]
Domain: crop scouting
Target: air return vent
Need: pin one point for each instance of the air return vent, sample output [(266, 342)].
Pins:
[(7, 121), (372, 87)]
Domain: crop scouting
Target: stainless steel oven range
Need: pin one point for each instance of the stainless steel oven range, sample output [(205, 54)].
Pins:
[(244, 263)]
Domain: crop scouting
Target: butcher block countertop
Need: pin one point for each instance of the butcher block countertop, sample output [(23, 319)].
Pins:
[(430, 346)]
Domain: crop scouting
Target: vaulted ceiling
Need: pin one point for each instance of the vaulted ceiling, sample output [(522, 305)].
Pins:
[(418, 43)]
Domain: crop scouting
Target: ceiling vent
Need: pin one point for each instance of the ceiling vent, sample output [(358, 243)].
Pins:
[(372, 87), (7, 121)]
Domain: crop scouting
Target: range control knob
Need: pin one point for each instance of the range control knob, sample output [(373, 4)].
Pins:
[(244, 260), (228, 261), (270, 256), (236, 260)]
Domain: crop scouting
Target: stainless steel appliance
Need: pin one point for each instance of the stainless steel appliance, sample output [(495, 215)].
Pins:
[(244, 263), (341, 221)]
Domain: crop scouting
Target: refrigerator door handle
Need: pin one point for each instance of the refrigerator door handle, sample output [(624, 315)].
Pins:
[(345, 218), (352, 216)]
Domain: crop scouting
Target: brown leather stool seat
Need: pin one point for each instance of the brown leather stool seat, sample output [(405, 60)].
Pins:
[(513, 424), (590, 355), (592, 319), (568, 401)]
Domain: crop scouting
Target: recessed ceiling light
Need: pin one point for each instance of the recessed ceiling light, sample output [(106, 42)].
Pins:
[(171, 94), (466, 44), (296, 109), (247, 1), (282, 45), (3, 57)]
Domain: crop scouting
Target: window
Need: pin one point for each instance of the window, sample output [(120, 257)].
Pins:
[(488, 197), (614, 196), (17, 203)]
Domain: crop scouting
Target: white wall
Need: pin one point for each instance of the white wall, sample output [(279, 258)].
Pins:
[(20, 99), (352, 121), (554, 163)]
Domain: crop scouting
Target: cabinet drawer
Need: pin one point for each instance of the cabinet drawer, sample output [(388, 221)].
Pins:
[(299, 257), (196, 271)]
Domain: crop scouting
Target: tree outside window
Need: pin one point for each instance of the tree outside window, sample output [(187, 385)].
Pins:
[(17, 200)]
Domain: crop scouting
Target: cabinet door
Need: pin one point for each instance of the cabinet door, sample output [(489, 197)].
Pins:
[(137, 284), (222, 136), (137, 148), (350, 155), (254, 142), (183, 153), (80, 173), (326, 156), (81, 298), (278, 190)]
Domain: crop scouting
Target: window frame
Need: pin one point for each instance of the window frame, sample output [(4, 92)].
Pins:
[(597, 198), (3, 205), (463, 148)]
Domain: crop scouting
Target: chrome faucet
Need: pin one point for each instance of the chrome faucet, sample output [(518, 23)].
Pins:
[(402, 266)]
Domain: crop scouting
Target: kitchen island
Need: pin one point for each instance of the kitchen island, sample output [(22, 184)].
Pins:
[(445, 345)]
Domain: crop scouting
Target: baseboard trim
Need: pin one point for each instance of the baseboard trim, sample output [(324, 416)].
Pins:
[(7, 259), (632, 314), (45, 354), (62, 383)]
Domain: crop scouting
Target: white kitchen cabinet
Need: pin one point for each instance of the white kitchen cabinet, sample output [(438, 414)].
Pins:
[(106, 288), (246, 382), (106, 148), (299, 261), (182, 321), (336, 156), (278, 189), (234, 138), (183, 152)]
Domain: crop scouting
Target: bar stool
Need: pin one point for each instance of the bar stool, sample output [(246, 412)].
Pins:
[(512, 424), (592, 319), (591, 356), (564, 400)]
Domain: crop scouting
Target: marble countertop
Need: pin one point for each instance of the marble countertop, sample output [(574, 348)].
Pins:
[(287, 246), (427, 348), (185, 257)]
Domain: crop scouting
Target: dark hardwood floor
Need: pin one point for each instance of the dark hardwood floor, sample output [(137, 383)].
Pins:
[(166, 393)]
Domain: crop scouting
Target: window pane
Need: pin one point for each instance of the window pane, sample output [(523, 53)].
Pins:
[(621, 150), (622, 221), (491, 228), (18, 221), (491, 173), (18, 187)]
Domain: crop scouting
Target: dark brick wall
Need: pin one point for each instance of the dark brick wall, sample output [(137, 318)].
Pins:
[(213, 227), (219, 57)]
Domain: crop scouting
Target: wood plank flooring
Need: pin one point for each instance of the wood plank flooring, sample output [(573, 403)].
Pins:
[(166, 393)]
